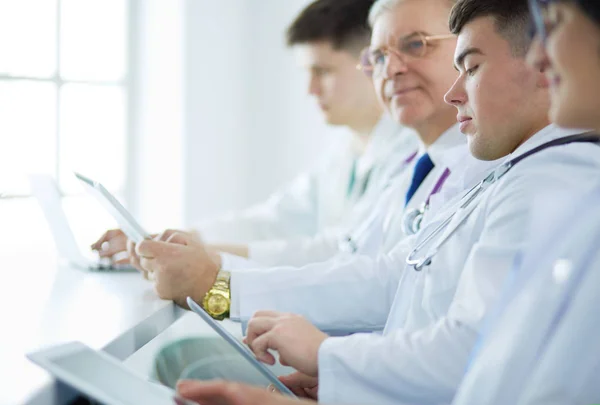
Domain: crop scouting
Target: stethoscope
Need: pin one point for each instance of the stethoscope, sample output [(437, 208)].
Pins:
[(419, 263), (411, 221), (348, 243), (467, 199)]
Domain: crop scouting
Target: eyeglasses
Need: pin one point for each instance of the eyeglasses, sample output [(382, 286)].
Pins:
[(373, 62)]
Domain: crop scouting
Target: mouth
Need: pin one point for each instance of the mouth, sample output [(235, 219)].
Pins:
[(464, 122), (402, 92), (393, 89)]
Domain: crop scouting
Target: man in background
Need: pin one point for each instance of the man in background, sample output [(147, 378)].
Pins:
[(327, 37)]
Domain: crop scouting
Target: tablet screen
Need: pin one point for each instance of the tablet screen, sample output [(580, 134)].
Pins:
[(125, 220), (239, 347), (101, 377)]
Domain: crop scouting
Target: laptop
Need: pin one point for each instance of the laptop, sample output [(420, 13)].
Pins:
[(47, 193)]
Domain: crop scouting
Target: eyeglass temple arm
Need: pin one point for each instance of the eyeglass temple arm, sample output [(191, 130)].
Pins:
[(437, 37)]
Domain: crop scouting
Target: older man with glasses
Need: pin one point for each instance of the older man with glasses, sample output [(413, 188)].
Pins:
[(455, 270)]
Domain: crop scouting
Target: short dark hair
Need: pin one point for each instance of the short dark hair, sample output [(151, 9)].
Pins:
[(342, 23), (512, 18)]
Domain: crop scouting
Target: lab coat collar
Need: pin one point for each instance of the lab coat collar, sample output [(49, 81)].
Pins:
[(465, 169), (465, 172), (549, 133)]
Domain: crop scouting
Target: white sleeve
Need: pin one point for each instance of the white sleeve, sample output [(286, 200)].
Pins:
[(399, 368), (364, 225), (231, 262), (426, 365), (348, 293), (289, 212), (296, 251)]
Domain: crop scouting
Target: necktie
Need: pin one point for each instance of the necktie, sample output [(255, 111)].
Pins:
[(422, 168)]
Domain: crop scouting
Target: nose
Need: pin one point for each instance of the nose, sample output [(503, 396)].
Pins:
[(314, 86), (537, 57), (457, 95), (395, 65)]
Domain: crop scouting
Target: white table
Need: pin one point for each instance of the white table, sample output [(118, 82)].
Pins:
[(43, 304)]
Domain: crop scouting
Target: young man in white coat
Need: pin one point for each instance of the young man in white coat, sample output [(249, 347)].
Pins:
[(543, 337), (327, 37), (451, 275)]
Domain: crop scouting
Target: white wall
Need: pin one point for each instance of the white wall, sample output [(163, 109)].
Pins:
[(250, 126), (156, 167), (246, 124)]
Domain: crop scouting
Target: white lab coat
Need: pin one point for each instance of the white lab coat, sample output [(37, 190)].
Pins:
[(541, 345), (367, 226), (350, 280), (437, 314), (319, 199)]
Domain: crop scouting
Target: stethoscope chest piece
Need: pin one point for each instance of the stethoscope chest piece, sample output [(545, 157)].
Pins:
[(411, 222)]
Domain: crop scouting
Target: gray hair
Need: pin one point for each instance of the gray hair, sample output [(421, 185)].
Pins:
[(385, 6), (380, 7)]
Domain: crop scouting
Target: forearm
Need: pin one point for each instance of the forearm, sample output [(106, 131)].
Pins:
[(240, 250), (423, 367), (343, 295), (297, 251)]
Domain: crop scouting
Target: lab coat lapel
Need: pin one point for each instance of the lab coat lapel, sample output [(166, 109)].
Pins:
[(460, 215)]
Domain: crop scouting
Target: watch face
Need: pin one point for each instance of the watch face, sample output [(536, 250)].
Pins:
[(217, 304)]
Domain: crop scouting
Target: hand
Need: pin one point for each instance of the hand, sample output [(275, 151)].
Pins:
[(165, 235), (296, 340), (228, 393), (111, 243), (302, 385), (134, 259), (180, 266)]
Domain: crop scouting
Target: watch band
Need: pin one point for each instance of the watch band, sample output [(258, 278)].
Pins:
[(217, 300)]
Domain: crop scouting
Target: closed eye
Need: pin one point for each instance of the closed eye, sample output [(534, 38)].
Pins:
[(471, 71)]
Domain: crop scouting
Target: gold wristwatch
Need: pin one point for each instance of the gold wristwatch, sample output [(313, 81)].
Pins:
[(218, 299)]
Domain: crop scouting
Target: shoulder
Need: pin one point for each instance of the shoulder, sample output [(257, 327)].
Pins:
[(559, 168)]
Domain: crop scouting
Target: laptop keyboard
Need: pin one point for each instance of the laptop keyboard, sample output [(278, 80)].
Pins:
[(104, 264)]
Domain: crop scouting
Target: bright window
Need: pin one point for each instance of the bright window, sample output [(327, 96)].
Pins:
[(63, 92)]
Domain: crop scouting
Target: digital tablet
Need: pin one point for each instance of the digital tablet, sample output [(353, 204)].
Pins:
[(126, 222), (239, 347), (102, 377)]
